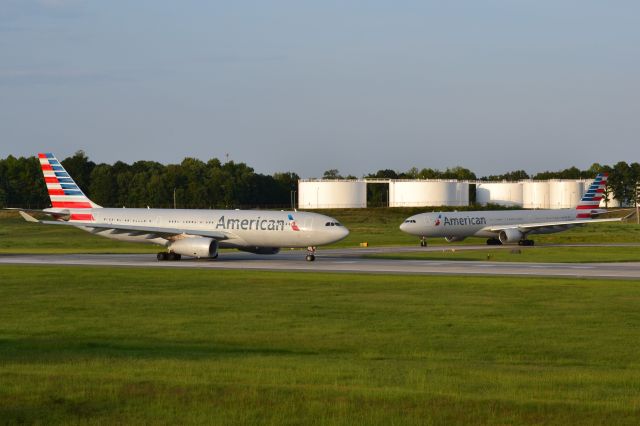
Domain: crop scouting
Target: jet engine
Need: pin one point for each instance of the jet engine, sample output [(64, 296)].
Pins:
[(261, 250), (510, 235), (453, 239), (196, 247)]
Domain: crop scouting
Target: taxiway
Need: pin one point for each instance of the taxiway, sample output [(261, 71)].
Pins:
[(340, 260)]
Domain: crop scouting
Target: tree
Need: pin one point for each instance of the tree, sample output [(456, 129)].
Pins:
[(460, 173), (384, 174), (102, 189), (430, 174), (332, 174), (620, 182)]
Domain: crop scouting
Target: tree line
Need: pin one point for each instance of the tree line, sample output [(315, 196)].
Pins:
[(197, 184), (191, 184)]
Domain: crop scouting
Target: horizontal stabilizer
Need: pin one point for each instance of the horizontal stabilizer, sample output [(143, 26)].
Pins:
[(28, 217)]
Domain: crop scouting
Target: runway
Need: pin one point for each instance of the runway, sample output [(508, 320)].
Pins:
[(341, 261)]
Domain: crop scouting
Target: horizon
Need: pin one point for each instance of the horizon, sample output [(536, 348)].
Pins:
[(342, 174)]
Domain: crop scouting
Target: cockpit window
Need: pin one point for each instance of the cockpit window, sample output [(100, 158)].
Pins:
[(333, 224), (410, 221)]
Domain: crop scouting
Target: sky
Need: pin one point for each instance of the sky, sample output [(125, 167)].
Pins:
[(308, 86)]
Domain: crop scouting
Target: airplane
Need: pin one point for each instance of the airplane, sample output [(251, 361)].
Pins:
[(509, 226), (184, 232)]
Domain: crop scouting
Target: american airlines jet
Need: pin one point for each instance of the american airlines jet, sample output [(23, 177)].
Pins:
[(509, 226), (195, 233)]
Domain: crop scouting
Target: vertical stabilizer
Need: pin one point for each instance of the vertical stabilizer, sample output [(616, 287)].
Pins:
[(592, 197), (63, 191)]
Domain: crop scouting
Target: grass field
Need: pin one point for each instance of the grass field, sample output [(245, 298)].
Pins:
[(96, 346), (526, 254), (377, 227)]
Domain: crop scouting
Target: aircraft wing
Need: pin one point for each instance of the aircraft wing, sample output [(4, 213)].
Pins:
[(140, 230), (526, 227)]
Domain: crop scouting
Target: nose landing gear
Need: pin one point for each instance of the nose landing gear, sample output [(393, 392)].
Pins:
[(423, 242), (311, 254)]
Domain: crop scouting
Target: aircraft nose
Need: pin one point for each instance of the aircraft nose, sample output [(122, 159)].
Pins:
[(409, 225), (344, 232)]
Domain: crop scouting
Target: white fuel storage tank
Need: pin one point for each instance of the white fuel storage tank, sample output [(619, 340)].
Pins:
[(565, 194), (501, 193), (422, 193), (535, 194), (331, 194)]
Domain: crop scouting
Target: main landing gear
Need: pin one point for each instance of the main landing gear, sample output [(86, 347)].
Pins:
[(497, 242), (311, 254), (163, 255), (423, 242)]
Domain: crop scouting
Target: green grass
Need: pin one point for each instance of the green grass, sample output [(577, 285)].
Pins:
[(105, 346), (525, 254)]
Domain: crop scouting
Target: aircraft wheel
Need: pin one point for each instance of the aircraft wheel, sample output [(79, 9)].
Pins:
[(423, 242), (162, 256), (173, 256), (310, 258)]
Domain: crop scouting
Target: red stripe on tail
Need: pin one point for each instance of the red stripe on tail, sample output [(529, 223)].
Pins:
[(78, 216), (71, 204)]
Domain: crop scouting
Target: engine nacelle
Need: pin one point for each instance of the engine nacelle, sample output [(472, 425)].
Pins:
[(510, 235), (261, 250), (453, 239), (196, 247)]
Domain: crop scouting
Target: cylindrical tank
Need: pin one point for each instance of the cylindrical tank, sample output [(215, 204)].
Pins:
[(565, 194), (462, 194), (612, 202), (332, 194), (502, 193), (420, 193), (535, 194)]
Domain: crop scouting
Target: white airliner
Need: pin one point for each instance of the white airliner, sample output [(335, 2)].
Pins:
[(195, 233), (509, 226)]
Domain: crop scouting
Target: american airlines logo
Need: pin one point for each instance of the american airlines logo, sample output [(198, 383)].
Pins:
[(293, 223), (256, 224), (461, 221)]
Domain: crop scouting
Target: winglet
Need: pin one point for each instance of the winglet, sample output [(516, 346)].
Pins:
[(28, 217)]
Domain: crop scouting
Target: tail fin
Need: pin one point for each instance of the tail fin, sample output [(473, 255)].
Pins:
[(63, 191), (591, 198)]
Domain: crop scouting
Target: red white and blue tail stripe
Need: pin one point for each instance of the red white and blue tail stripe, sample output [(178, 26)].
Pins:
[(592, 197), (63, 191)]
